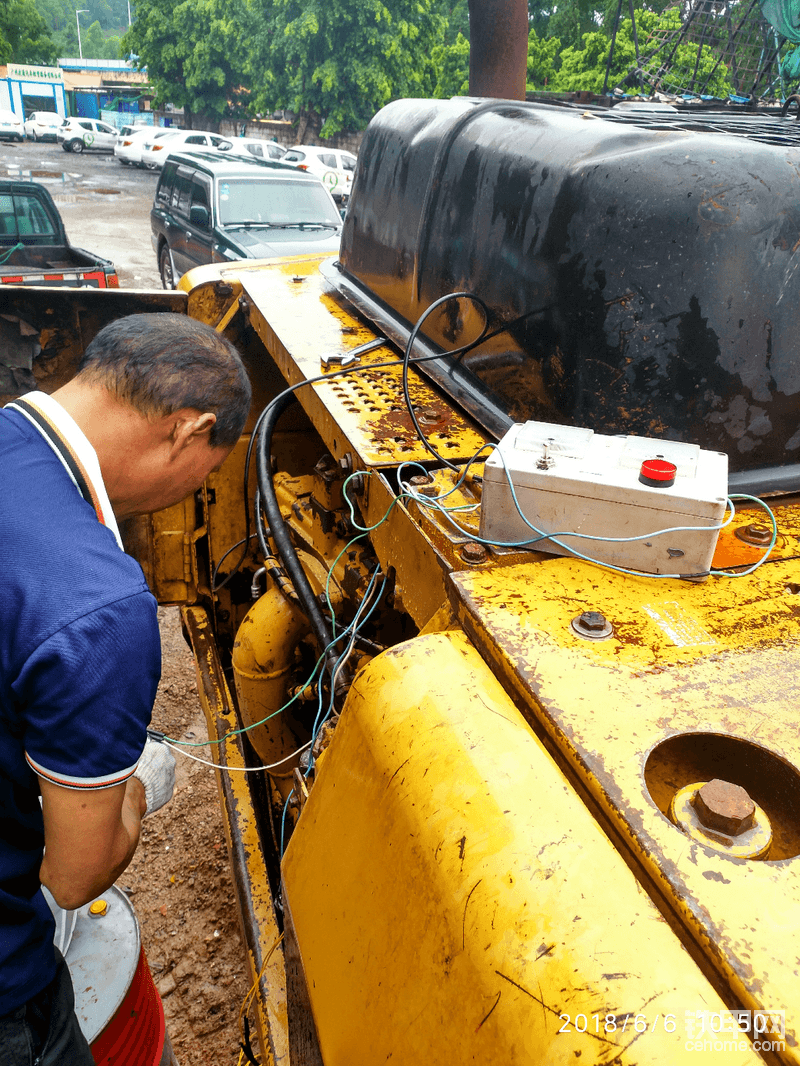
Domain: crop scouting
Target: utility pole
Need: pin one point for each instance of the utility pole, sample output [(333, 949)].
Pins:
[(78, 12)]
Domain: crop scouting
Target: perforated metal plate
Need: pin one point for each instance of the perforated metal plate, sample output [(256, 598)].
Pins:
[(299, 319)]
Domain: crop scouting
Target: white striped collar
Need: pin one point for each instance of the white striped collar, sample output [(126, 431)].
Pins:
[(67, 430)]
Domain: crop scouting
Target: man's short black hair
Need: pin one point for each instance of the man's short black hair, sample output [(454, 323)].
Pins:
[(160, 363)]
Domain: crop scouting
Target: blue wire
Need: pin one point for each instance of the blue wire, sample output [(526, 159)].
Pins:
[(283, 819), (434, 503), (355, 625)]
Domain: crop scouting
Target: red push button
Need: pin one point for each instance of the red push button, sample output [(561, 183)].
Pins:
[(658, 472)]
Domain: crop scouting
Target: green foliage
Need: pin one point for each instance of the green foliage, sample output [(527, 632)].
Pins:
[(112, 16), (456, 16), (542, 59), (339, 61), (195, 52), (584, 68), (451, 63), (24, 37), (97, 46), (684, 67), (572, 20)]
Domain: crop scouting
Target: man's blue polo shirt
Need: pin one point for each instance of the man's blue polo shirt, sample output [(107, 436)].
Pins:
[(80, 661)]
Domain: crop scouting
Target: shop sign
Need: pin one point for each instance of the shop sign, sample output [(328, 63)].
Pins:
[(26, 73)]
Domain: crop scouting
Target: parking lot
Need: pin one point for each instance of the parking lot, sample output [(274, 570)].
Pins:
[(105, 206)]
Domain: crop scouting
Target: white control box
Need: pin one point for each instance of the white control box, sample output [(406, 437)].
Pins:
[(572, 480)]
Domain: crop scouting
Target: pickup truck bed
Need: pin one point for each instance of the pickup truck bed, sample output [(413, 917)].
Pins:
[(38, 251)]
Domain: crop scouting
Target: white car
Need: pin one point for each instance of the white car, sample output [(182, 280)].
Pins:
[(254, 146), (332, 165), (155, 152), (130, 142), (42, 125), (82, 134), (11, 126)]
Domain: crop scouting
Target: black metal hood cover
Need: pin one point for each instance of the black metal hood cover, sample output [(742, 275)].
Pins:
[(658, 269)]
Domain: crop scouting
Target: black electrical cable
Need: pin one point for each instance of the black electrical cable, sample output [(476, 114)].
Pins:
[(278, 528), (410, 346), (214, 586), (291, 389)]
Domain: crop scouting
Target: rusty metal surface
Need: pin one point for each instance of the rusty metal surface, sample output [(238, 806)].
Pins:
[(724, 806), (697, 682), (63, 322), (298, 321)]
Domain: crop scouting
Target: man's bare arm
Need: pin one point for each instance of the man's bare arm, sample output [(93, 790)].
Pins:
[(90, 837)]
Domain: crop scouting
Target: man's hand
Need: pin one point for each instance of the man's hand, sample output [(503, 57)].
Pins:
[(90, 837), (156, 771)]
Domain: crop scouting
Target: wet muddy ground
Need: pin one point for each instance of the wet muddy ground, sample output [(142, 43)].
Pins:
[(179, 881), (105, 205)]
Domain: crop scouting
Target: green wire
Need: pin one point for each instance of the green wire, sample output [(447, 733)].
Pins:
[(254, 725)]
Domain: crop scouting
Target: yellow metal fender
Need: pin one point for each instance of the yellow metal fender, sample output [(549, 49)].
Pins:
[(454, 901)]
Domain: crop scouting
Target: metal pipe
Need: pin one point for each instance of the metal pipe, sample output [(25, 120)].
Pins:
[(498, 55)]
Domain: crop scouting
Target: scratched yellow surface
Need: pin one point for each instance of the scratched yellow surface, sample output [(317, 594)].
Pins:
[(455, 902), (703, 662), (300, 320)]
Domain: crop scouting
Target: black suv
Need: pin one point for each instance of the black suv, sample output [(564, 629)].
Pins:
[(212, 210)]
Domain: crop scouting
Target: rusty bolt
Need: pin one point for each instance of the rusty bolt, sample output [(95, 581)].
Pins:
[(357, 484), (725, 807), (424, 485), (429, 416), (756, 533), (592, 625), (472, 552)]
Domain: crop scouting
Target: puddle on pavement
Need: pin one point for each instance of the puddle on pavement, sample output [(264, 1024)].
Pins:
[(46, 174), (106, 192)]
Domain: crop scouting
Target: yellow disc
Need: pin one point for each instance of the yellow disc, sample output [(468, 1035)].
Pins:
[(752, 844)]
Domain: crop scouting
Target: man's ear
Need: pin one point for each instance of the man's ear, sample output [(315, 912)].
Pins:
[(188, 427)]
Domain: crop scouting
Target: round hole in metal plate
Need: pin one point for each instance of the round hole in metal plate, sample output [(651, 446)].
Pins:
[(772, 781)]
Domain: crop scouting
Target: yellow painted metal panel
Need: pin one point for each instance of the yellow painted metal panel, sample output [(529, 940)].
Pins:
[(244, 844), (454, 900), (697, 681), (300, 320)]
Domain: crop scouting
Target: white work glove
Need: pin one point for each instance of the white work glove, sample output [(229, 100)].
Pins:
[(156, 771)]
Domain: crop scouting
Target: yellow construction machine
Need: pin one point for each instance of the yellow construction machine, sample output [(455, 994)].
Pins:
[(495, 606)]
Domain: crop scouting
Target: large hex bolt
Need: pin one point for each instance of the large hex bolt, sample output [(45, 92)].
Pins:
[(724, 807), (472, 552), (756, 534), (592, 625)]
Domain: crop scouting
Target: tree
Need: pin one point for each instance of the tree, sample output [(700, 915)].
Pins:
[(24, 37), (584, 69), (451, 63), (195, 53), (542, 59), (112, 15), (336, 62), (97, 46), (456, 16)]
